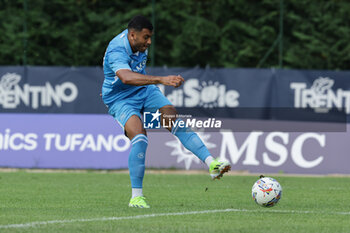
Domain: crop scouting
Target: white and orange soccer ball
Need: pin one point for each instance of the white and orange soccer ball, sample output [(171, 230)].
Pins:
[(266, 192)]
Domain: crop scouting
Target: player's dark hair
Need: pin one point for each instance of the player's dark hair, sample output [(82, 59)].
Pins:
[(139, 22)]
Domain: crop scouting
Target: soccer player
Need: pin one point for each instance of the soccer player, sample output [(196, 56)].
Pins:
[(127, 91)]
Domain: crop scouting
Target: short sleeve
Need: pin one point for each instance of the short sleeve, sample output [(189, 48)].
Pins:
[(118, 59)]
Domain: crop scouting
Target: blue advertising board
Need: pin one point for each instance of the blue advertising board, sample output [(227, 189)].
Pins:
[(273, 120)]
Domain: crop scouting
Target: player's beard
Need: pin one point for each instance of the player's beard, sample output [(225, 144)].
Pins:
[(141, 48)]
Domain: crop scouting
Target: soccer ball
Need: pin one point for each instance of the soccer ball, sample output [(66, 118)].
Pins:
[(266, 192)]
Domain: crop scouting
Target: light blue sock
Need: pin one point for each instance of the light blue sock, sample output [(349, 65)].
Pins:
[(190, 141), (137, 160)]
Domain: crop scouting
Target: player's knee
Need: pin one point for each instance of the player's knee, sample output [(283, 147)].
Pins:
[(133, 127), (131, 133), (169, 116), (168, 110)]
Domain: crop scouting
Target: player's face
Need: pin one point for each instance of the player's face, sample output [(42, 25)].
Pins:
[(141, 40)]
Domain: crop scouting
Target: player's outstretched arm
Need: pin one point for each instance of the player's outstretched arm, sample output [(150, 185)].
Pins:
[(132, 78)]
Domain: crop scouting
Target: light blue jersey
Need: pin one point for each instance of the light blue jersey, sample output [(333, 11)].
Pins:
[(119, 56), (122, 100)]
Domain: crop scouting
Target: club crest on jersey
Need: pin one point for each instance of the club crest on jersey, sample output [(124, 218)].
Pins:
[(140, 66)]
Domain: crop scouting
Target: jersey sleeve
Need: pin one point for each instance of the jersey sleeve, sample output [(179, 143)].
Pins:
[(118, 59)]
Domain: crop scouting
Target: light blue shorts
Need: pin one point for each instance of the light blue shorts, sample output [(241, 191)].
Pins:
[(149, 98)]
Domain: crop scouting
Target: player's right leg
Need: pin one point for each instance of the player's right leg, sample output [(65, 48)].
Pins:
[(127, 114), (136, 133)]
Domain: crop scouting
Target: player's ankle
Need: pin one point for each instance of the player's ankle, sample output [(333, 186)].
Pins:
[(209, 160), (136, 192)]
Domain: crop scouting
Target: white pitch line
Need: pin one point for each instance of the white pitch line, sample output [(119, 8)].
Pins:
[(37, 224)]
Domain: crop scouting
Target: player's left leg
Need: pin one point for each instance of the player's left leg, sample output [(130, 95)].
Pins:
[(189, 139), (192, 142)]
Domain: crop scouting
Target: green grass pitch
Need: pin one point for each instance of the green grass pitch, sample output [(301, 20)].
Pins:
[(98, 202)]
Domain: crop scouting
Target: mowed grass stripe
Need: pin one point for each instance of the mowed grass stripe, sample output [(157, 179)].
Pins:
[(37, 224)]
